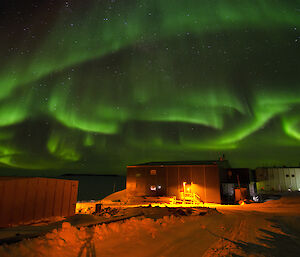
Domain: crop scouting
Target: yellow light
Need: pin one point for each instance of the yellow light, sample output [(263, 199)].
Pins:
[(184, 186)]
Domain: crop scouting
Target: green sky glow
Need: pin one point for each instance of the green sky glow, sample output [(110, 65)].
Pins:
[(94, 87)]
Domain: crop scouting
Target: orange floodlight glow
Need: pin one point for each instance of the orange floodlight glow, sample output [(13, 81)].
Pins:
[(241, 202), (184, 183)]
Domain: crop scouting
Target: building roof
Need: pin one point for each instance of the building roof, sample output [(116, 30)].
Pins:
[(169, 163)]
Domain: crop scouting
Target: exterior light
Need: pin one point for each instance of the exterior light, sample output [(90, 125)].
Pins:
[(159, 187), (184, 183), (153, 188)]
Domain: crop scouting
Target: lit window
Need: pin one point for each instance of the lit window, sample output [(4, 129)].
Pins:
[(152, 172), (153, 188)]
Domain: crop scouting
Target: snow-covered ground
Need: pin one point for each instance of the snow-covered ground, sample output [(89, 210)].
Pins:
[(261, 229)]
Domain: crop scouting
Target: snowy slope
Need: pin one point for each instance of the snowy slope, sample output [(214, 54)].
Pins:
[(268, 229)]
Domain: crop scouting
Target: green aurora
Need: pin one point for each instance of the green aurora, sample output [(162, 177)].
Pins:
[(96, 85)]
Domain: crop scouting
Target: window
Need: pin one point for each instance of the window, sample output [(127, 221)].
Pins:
[(293, 175), (152, 172), (287, 175), (138, 175)]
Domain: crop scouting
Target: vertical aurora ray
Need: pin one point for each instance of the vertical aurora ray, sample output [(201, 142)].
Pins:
[(63, 146), (291, 125)]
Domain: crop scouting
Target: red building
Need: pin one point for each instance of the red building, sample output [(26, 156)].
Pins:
[(27, 199), (167, 179)]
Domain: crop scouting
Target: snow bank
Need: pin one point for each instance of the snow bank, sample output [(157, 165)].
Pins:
[(244, 233), (70, 241), (117, 196)]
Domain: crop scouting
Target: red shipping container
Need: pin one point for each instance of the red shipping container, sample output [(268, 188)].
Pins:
[(28, 199)]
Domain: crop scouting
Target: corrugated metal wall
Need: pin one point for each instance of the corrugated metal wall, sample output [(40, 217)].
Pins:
[(24, 200), (212, 184), (172, 181), (198, 178), (205, 181), (277, 179)]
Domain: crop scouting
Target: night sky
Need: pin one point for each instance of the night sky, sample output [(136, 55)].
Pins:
[(93, 86)]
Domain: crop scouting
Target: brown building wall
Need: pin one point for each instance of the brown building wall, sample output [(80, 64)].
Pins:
[(198, 179), (172, 187), (205, 181), (131, 181), (28, 199), (212, 185)]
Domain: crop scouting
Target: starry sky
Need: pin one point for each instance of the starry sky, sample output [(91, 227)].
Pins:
[(93, 86)]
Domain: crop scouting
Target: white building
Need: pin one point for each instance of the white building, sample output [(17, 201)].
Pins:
[(280, 179)]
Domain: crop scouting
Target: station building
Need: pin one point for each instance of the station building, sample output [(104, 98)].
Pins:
[(212, 180), (277, 179)]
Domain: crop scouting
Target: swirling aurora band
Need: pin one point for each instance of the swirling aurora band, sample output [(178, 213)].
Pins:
[(96, 86)]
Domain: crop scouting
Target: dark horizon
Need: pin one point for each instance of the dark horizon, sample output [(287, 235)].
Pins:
[(60, 173)]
